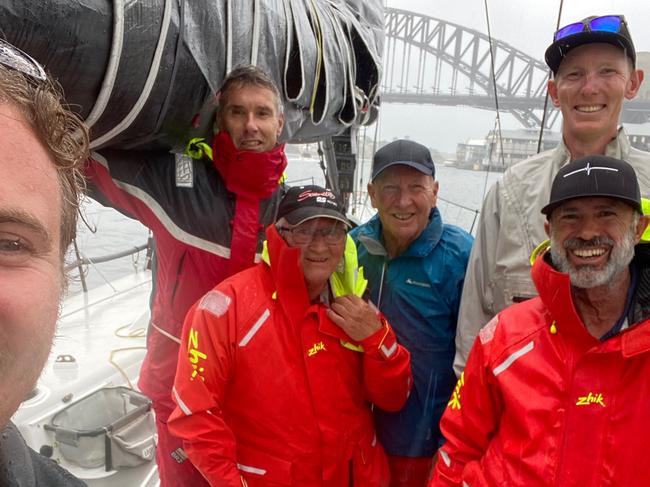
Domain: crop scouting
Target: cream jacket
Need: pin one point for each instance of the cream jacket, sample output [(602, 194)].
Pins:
[(510, 227)]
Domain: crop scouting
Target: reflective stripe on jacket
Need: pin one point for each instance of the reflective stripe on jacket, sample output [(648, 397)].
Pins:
[(543, 402), (268, 388), (187, 206)]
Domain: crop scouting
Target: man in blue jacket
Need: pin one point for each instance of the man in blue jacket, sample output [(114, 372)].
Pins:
[(415, 266)]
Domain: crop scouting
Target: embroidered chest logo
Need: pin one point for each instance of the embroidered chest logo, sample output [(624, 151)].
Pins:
[(413, 282), (195, 355), (590, 398), (454, 402), (317, 347)]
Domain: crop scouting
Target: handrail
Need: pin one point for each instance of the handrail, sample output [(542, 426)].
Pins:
[(105, 258)]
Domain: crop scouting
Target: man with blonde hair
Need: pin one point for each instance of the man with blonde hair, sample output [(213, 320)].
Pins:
[(594, 72)]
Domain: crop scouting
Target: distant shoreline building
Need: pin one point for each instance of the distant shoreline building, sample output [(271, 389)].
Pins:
[(489, 154)]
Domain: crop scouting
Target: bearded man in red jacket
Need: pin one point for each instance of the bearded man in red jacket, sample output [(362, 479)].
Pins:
[(555, 391)]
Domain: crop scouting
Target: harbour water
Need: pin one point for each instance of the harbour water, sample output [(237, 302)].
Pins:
[(115, 232)]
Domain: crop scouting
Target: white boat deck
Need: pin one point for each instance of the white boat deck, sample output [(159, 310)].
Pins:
[(100, 342)]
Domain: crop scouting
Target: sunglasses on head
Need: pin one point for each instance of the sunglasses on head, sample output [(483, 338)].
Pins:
[(14, 58), (606, 23)]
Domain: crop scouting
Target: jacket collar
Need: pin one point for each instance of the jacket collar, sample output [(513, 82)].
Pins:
[(370, 235), (618, 147), (253, 175), (287, 275), (290, 288), (554, 289)]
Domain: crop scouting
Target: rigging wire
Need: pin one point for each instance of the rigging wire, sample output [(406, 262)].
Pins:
[(541, 129), (496, 97)]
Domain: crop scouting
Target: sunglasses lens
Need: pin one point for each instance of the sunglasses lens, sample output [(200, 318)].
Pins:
[(14, 58), (608, 23), (569, 30)]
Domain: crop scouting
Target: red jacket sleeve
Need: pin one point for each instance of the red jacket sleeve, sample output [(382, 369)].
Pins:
[(386, 369), (204, 367), (469, 422)]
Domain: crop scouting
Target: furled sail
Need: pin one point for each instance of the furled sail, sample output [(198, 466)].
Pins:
[(140, 72)]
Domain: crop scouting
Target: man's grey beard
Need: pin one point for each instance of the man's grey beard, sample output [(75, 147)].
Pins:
[(587, 276)]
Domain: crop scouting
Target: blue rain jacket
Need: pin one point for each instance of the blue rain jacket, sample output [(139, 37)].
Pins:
[(419, 292)]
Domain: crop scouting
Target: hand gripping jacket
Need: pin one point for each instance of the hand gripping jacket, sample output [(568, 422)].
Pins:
[(271, 392), (206, 222), (543, 402)]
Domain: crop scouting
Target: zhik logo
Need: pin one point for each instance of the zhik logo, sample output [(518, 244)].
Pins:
[(590, 398)]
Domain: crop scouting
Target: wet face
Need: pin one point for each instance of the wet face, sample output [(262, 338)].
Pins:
[(31, 276), (322, 244), (589, 88), (592, 239), (403, 197), (250, 115)]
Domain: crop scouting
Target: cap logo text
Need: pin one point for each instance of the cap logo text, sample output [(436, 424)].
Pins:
[(321, 196), (588, 168)]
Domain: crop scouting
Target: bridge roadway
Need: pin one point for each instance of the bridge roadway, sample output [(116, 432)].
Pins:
[(637, 111)]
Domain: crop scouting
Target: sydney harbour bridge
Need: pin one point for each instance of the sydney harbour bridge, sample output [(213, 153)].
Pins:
[(432, 61)]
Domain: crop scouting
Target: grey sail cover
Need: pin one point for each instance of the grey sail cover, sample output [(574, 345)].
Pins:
[(140, 72)]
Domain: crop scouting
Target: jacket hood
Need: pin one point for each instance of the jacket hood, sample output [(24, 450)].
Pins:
[(554, 289), (247, 173), (252, 177), (346, 279), (290, 288)]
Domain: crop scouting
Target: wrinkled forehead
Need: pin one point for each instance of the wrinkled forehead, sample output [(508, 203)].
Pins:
[(30, 189), (240, 92), (322, 222), (401, 172)]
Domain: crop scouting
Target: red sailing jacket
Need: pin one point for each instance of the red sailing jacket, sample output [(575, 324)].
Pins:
[(544, 403), (206, 222), (266, 390)]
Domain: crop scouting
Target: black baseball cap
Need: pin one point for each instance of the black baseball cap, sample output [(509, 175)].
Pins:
[(598, 176), (405, 152), (588, 35), (302, 203)]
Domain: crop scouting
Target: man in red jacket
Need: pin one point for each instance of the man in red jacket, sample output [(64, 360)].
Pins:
[(280, 363), (555, 391), (207, 216)]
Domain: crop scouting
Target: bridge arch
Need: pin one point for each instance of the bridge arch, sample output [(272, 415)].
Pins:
[(432, 61)]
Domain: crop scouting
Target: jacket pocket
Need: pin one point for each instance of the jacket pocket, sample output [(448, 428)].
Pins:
[(262, 469), (369, 464)]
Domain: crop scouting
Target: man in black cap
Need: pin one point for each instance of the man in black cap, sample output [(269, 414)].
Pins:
[(415, 266), (280, 362), (555, 391), (593, 65)]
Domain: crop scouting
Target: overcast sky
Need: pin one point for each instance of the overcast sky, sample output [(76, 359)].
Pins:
[(527, 25)]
